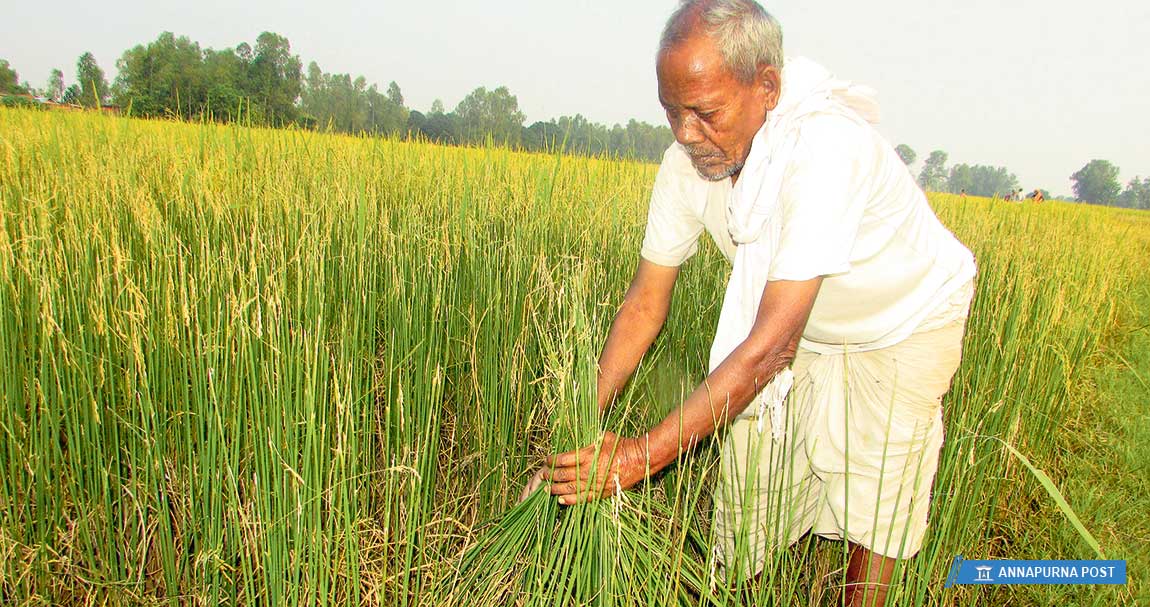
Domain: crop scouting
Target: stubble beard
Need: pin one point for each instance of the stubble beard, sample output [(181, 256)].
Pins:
[(719, 172), (715, 172)]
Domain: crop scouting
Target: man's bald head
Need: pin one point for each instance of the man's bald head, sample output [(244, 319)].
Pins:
[(747, 36)]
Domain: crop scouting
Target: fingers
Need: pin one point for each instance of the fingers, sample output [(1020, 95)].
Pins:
[(576, 498), (581, 457), (576, 492), (562, 475), (571, 473), (575, 495), (571, 458), (533, 484), (574, 484), (563, 489)]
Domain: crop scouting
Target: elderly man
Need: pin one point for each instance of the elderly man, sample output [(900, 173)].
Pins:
[(842, 322)]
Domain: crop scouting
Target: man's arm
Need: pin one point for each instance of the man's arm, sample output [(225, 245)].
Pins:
[(636, 325), (769, 348)]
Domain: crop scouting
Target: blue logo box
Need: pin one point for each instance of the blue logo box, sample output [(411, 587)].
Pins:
[(1005, 571)]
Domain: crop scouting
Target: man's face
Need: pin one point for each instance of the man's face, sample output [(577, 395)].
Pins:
[(712, 114)]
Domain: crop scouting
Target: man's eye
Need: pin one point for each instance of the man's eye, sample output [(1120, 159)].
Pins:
[(708, 115)]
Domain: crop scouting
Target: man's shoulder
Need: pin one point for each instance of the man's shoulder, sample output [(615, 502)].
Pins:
[(835, 133), (677, 162), (838, 156)]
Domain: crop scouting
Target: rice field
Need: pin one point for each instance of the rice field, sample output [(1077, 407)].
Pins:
[(268, 367)]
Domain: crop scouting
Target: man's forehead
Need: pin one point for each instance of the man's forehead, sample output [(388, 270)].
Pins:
[(693, 66), (696, 55)]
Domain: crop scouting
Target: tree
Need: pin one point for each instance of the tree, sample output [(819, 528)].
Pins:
[(416, 122), (55, 90), (1137, 194), (905, 153), (275, 78), (583, 136), (9, 79), (71, 95), (980, 180), (221, 85), (93, 84), (164, 77), (437, 107), (933, 176), (542, 137), (495, 113), (646, 142), (340, 103), (393, 94), (388, 116), (442, 128), (1097, 182), (313, 98)]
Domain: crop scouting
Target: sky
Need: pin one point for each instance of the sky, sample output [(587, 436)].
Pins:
[(1040, 87)]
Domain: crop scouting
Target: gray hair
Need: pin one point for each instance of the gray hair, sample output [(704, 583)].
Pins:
[(746, 34)]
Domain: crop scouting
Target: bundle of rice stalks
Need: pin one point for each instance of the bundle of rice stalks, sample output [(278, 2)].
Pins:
[(629, 549)]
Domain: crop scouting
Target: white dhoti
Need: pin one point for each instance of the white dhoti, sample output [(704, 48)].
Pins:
[(857, 457)]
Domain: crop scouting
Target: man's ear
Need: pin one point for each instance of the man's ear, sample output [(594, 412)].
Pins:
[(770, 82)]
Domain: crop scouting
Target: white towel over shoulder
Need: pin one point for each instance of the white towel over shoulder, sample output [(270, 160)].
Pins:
[(753, 212)]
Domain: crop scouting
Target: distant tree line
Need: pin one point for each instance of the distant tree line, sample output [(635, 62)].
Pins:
[(266, 84), (91, 88), (976, 180), (1095, 183)]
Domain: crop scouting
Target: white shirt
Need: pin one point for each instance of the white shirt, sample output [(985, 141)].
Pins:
[(850, 211)]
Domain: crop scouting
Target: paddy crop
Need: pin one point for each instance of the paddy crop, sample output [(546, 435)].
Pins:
[(252, 367)]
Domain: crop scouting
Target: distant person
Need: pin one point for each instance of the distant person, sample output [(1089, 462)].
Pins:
[(1037, 196), (962, 195), (834, 250), (1009, 196), (1020, 197)]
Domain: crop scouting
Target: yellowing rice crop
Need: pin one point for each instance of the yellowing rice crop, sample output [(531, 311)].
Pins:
[(259, 367)]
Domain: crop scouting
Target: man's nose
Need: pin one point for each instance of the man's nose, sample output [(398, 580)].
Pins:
[(687, 130)]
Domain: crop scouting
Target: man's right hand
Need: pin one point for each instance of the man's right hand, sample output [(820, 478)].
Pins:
[(636, 325)]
